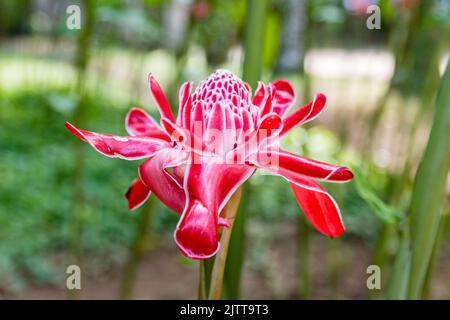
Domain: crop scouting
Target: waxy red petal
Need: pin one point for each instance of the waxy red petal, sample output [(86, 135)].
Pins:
[(265, 135), (267, 106), (289, 164), (139, 123), (185, 104), (213, 138), (197, 125), (137, 194), (283, 97), (305, 114), (183, 137), (247, 121), (175, 132), (319, 207), (160, 98), (208, 188), (124, 147), (197, 234), (260, 94), (163, 184)]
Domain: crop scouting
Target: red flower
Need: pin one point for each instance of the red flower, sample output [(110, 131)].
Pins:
[(221, 136)]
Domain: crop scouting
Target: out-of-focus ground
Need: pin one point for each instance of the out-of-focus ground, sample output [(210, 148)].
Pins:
[(162, 276)]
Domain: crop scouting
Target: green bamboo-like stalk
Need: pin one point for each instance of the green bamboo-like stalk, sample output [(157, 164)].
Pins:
[(81, 63), (137, 249), (397, 288), (217, 274), (235, 260), (380, 255), (212, 270), (254, 40), (428, 192), (204, 282), (305, 257), (426, 292), (254, 43)]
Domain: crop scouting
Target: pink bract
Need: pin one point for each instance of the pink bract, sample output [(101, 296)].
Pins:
[(222, 134)]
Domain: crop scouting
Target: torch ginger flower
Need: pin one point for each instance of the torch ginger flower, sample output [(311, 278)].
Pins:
[(221, 136)]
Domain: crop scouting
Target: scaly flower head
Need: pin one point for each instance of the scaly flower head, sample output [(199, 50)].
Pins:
[(221, 135)]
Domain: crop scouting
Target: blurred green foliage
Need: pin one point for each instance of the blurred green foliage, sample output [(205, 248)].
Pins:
[(36, 195)]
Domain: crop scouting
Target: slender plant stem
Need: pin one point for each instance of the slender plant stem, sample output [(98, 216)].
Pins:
[(202, 291), (434, 257), (254, 40), (254, 44), (81, 63), (397, 288), (236, 249), (229, 212), (304, 246), (212, 270), (137, 249), (428, 192)]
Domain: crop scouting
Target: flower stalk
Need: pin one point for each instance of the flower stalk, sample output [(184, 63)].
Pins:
[(428, 192), (212, 270), (252, 69), (80, 114), (138, 248), (218, 270)]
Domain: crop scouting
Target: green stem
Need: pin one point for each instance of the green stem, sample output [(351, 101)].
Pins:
[(81, 62), (381, 252), (204, 278), (428, 192), (254, 43), (212, 270), (334, 265), (397, 287), (304, 245), (434, 257), (229, 212), (236, 248), (254, 40), (139, 246)]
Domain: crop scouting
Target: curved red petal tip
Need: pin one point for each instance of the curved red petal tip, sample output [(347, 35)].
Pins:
[(76, 132), (343, 174), (138, 122), (173, 130), (285, 87), (160, 98), (319, 207), (137, 194), (271, 122), (319, 100), (284, 96), (196, 234), (260, 94)]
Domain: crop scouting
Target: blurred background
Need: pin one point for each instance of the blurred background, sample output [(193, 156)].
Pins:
[(62, 203)]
